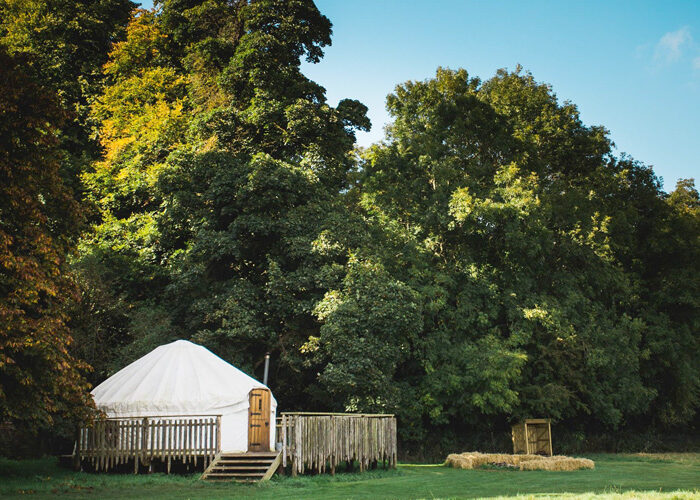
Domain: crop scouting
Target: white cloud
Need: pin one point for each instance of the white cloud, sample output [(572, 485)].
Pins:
[(670, 47)]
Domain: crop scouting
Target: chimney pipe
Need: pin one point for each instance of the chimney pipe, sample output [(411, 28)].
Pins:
[(267, 367)]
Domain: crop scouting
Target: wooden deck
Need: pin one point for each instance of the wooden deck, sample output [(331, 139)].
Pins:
[(111, 443), (309, 442)]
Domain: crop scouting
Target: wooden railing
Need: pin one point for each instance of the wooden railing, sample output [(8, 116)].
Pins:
[(109, 443), (315, 441)]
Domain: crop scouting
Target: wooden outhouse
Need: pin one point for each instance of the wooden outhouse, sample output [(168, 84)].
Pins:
[(533, 436)]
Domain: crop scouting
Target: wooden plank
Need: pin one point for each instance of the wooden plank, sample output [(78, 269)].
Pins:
[(163, 438), (153, 439), (180, 442), (212, 438), (218, 433), (169, 452), (311, 413), (212, 465), (190, 445), (273, 468), (137, 432), (527, 441), (144, 441)]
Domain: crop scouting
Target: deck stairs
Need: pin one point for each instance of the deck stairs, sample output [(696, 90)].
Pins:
[(248, 467)]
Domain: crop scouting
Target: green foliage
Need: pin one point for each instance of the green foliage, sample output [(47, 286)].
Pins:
[(39, 222), (46, 144), (491, 260), (64, 44), (370, 331), (670, 290), (519, 232), (221, 162)]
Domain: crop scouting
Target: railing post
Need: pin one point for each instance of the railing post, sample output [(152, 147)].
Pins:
[(284, 440), (295, 427), (218, 433), (144, 441)]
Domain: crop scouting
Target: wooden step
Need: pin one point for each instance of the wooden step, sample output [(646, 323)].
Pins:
[(231, 461), (243, 467), (236, 474), (263, 454), (258, 466)]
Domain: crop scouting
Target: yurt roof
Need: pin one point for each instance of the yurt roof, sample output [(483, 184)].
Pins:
[(180, 378)]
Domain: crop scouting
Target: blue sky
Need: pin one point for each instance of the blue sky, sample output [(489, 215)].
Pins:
[(632, 66)]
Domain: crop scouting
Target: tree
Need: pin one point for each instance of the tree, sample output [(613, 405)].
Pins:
[(490, 202), (65, 44), (492, 257), (222, 163), (668, 260), (267, 183), (143, 115), (39, 223)]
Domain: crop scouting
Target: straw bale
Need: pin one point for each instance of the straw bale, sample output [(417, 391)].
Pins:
[(558, 463), (474, 460), (460, 461)]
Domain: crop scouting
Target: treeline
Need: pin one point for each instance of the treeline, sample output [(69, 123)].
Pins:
[(491, 259)]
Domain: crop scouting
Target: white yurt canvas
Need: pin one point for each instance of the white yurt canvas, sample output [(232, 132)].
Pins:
[(183, 378)]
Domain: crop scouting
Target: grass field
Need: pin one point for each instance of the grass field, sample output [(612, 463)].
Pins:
[(615, 476)]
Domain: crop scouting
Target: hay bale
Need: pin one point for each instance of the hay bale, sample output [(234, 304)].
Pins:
[(466, 460), (474, 460), (459, 461), (456, 461), (558, 463)]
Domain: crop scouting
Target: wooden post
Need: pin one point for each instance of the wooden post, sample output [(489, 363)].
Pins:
[(135, 446), (153, 441), (169, 445), (218, 433), (527, 441), (188, 440), (284, 441), (549, 430), (201, 438), (212, 438), (162, 439)]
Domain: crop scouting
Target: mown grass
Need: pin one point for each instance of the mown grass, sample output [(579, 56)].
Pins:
[(615, 476)]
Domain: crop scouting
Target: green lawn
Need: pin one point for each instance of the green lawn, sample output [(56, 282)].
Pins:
[(615, 476)]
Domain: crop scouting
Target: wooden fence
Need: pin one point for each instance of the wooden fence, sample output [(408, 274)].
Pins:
[(109, 443), (315, 441)]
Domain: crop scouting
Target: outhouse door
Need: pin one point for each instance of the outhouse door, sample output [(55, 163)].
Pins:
[(259, 420)]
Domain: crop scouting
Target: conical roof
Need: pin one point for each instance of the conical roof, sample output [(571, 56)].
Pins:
[(181, 378)]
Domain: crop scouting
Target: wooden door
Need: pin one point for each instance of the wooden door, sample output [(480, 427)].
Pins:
[(539, 439), (259, 420)]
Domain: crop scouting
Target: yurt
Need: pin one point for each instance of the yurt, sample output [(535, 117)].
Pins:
[(183, 379)]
